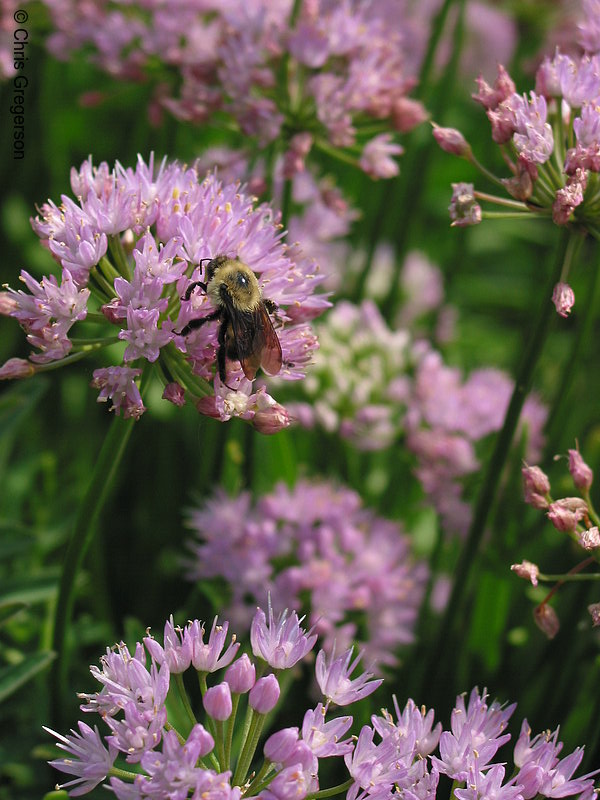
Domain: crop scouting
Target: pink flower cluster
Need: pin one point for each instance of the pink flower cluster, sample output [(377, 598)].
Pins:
[(128, 248), (550, 140), (445, 419), (574, 516), (389, 757), (316, 541), (150, 751), (322, 73)]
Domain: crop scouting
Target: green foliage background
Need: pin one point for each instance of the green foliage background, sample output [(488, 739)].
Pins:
[(51, 430)]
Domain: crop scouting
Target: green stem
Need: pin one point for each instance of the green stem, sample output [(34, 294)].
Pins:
[(117, 252), (124, 774), (417, 162), (437, 29), (184, 699), (260, 781), (342, 787), (235, 702), (71, 359), (286, 202), (249, 748), (105, 470), (586, 576), (439, 660), (219, 742)]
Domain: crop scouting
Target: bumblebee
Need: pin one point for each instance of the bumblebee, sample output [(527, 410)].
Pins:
[(246, 333)]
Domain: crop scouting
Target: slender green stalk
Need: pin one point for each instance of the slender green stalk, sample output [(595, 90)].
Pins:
[(184, 699), (440, 655), (260, 781), (414, 173), (249, 748), (105, 470), (437, 28), (342, 787), (414, 166), (103, 476), (220, 744), (235, 702), (286, 202)]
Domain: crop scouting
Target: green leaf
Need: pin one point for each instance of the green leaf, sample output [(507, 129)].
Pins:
[(10, 610), (13, 677), (487, 634), (34, 589)]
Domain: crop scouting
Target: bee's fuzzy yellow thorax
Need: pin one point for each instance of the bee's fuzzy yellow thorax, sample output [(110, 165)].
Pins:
[(240, 283)]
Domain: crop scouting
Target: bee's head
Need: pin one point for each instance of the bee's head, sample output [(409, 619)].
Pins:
[(232, 276)]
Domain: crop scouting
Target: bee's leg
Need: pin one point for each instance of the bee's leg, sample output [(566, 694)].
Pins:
[(191, 287), (198, 323), (271, 306)]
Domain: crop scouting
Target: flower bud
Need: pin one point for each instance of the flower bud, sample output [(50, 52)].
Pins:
[(280, 746), (580, 472), (201, 737), (16, 368), (264, 694), (241, 675), (271, 420), (527, 570), (451, 141), (563, 298), (536, 487), (589, 539), (594, 609), (566, 513), (547, 620), (217, 701), (407, 114), (175, 393)]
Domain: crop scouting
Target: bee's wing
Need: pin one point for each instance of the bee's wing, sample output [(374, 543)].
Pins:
[(268, 344), (256, 342)]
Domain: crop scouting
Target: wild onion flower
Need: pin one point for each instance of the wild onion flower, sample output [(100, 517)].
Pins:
[(363, 396), (314, 543), (574, 516), (330, 76), (550, 142), (446, 417), (154, 744), (127, 250)]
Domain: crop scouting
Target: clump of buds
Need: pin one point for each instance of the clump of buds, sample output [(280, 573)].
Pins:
[(574, 516)]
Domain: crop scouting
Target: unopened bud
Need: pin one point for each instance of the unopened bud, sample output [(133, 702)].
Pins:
[(566, 513), (241, 675), (264, 694), (580, 472), (590, 538), (407, 114), (563, 298), (451, 141), (175, 393), (594, 610), (217, 702), (547, 620), (536, 487), (271, 419), (280, 746), (16, 368)]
